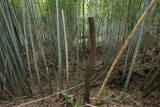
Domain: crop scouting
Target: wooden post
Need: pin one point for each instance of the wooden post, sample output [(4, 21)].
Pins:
[(91, 59)]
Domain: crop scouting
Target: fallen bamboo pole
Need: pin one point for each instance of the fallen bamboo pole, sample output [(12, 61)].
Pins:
[(97, 76), (125, 45), (47, 97)]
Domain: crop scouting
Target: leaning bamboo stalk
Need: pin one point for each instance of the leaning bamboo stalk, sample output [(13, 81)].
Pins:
[(133, 61), (66, 48), (125, 45)]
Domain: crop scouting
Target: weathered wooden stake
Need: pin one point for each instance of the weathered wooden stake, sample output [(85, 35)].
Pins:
[(91, 59)]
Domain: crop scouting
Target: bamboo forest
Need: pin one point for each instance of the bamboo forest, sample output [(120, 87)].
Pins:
[(79, 53)]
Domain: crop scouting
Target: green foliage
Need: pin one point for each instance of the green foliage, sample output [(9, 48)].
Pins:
[(70, 100)]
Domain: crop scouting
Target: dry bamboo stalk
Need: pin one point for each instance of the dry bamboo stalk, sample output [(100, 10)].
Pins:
[(47, 97), (125, 45), (89, 105), (66, 48)]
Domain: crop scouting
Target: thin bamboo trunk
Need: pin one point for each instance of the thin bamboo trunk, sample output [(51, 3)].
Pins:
[(66, 48), (133, 61), (60, 80)]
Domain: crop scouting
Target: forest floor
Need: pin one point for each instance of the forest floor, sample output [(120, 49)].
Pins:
[(112, 95)]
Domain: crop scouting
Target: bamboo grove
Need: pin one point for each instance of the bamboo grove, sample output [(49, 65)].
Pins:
[(44, 43)]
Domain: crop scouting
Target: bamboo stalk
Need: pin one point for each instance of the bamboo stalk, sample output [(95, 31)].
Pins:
[(66, 48), (60, 80), (125, 45)]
